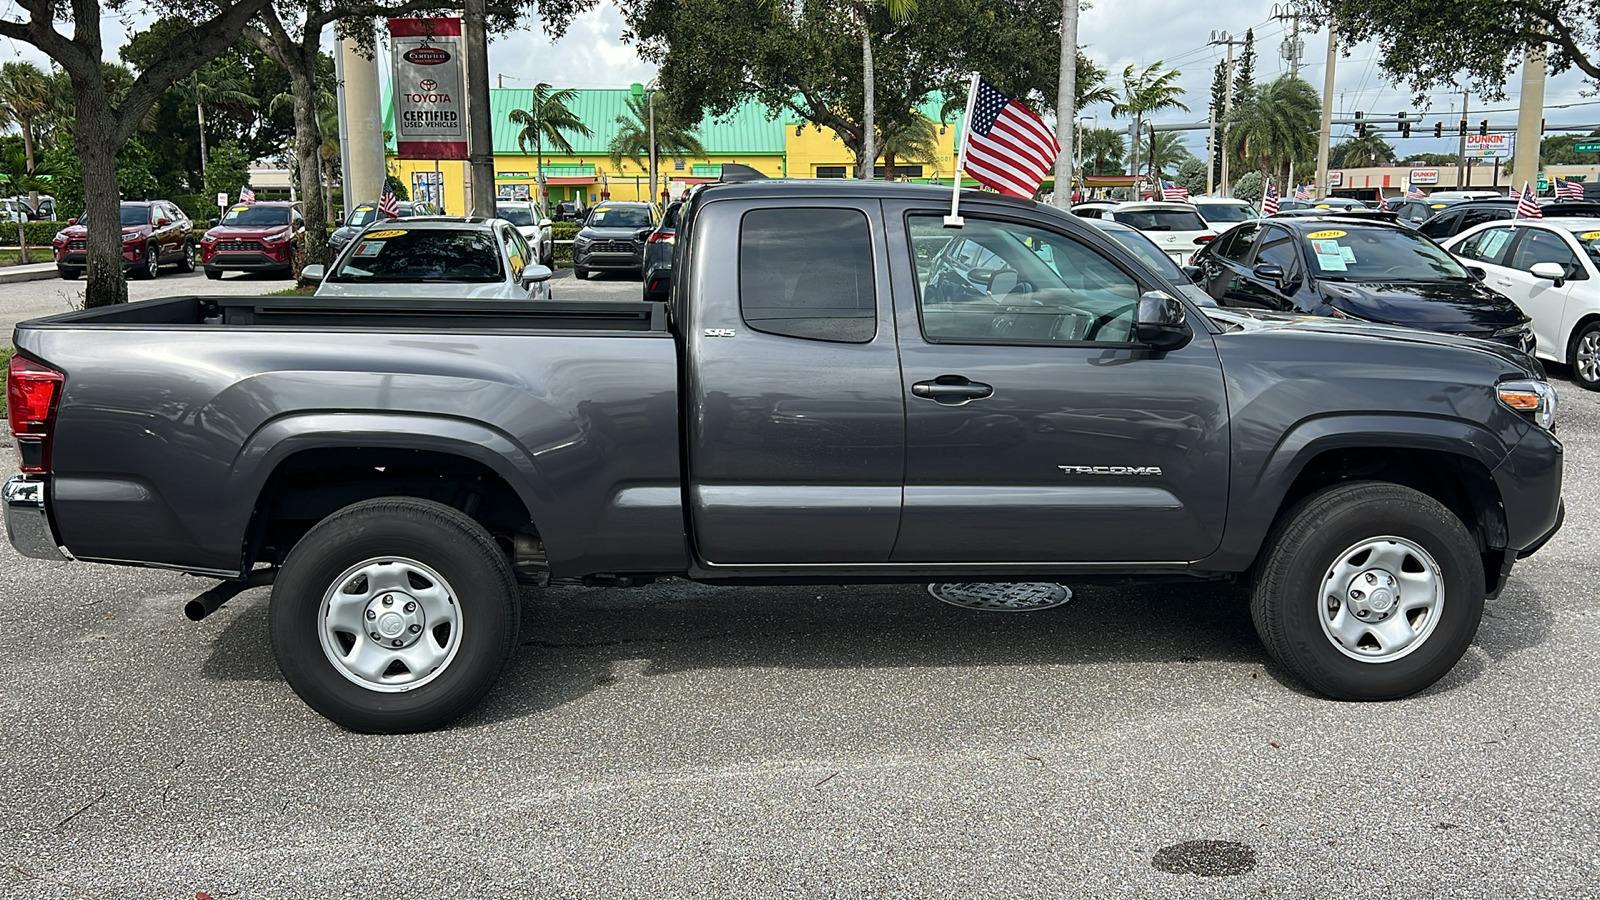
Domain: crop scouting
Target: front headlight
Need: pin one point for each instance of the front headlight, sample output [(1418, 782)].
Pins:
[(1534, 399), (1510, 330)]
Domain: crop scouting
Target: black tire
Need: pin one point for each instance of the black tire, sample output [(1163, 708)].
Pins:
[(1292, 593), (186, 264), (213, 274), (579, 273), (1583, 354), (67, 273), (479, 584), (151, 266)]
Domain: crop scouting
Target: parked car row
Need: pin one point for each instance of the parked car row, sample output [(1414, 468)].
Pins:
[(154, 233)]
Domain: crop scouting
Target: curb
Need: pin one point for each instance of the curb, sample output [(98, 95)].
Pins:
[(28, 273)]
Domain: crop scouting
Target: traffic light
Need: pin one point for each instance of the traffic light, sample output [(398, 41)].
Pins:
[(1361, 127), (1405, 126), (1438, 129), (1463, 126), (1483, 127)]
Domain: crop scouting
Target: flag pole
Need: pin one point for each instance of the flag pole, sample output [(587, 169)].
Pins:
[(954, 219)]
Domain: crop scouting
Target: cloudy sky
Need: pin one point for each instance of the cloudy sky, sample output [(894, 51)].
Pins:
[(592, 54)]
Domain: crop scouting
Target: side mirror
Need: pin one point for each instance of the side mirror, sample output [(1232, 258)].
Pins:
[(72, 221), (163, 222), (1161, 323), (1193, 273), (212, 222), (532, 275), (313, 274), (1268, 272), (545, 223), (1478, 272), (1550, 271)]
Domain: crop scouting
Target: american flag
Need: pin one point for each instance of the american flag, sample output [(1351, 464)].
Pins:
[(1568, 190), (246, 195), (1414, 193), (1383, 203), (1303, 192), (1008, 147), (1527, 206), (1269, 201), (1170, 191), (388, 206)]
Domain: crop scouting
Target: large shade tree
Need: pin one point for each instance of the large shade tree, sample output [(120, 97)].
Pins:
[(70, 33)]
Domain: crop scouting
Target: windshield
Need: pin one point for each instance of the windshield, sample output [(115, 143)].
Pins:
[(1161, 219), (365, 214), (131, 215), (619, 217), (257, 215), (1228, 212), (1589, 240), (1148, 253), (411, 255), (516, 215), (1353, 253)]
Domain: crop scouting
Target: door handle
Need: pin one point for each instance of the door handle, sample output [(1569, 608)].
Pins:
[(1503, 282), (951, 389)]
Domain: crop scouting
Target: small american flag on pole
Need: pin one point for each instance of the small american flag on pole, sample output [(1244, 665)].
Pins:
[(1383, 203), (1008, 147), (246, 195), (1414, 193), (1269, 201), (1170, 191), (1568, 190), (388, 206), (1527, 206), (1303, 192)]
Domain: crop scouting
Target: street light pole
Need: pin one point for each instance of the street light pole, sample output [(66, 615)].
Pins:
[(651, 103)]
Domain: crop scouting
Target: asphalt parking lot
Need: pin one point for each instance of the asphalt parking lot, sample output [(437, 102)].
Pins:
[(693, 741)]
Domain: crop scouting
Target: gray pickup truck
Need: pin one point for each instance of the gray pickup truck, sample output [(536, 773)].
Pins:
[(841, 388)]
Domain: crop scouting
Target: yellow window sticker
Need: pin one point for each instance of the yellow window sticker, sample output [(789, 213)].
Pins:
[(516, 261), (379, 235), (1589, 235), (239, 209), (1325, 235), (1437, 205)]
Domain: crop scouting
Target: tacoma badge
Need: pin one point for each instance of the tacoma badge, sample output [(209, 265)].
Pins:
[(1111, 470)]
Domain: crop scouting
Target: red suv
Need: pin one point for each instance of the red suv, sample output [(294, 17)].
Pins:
[(253, 237), (154, 233)]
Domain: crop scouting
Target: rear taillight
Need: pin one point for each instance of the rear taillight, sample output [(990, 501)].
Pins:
[(32, 392), (1204, 239), (660, 237)]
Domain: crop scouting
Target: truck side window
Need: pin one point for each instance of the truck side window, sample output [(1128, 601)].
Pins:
[(807, 273), (1000, 282)]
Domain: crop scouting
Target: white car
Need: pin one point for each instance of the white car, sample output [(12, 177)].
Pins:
[(1222, 213), (1177, 228), (435, 257), (535, 228), (1551, 269)]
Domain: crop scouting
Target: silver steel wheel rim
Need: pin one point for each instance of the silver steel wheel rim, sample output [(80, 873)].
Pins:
[(1381, 599), (1587, 357), (389, 624)]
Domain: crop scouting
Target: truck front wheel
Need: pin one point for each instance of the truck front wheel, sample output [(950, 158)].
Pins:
[(394, 615), (1368, 591)]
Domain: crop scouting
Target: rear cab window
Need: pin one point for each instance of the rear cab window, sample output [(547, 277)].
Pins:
[(808, 273)]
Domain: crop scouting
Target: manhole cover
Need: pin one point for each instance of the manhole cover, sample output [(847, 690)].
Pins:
[(1002, 597)]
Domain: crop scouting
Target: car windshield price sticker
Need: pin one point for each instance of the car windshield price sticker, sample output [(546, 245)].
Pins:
[(378, 235), (369, 248), (1330, 256), (1496, 239)]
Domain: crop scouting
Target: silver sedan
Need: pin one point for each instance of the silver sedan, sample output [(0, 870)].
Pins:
[(435, 257)]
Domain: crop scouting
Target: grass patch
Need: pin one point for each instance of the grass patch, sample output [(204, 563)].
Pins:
[(292, 292), (8, 255)]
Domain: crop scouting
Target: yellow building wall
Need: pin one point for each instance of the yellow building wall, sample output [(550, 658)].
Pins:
[(808, 147), (624, 182)]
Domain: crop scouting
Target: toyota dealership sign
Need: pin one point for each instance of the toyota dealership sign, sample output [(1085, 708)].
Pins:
[(430, 103)]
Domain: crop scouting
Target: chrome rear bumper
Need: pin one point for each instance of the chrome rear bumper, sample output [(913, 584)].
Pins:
[(27, 521)]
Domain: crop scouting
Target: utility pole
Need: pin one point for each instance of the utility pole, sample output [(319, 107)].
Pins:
[(1211, 137), (1325, 136), (1462, 173), (480, 133), (1292, 46), (1525, 162), (1224, 38), (1066, 103)]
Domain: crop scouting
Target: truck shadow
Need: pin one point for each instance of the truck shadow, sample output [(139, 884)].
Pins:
[(577, 641)]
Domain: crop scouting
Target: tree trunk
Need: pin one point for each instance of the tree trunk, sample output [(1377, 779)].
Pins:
[(888, 166), (1133, 152), (868, 158), (200, 113), (308, 153), (1066, 103), (105, 284)]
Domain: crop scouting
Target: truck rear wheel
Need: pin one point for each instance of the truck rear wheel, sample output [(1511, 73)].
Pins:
[(1369, 591), (394, 615)]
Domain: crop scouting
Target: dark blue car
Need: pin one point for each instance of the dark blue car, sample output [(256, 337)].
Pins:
[(1356, 268)]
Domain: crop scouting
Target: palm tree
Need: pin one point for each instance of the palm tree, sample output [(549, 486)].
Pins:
[(1166, 152), (1146, 91), (23, 176), (220, 84), (24, 96), (327, 106), (899, 11), (916, 141), (632, 138), (1371, 150), (1276, 127), (547, 120), (1102, 150)]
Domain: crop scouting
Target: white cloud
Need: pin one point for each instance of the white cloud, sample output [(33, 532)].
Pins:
[(591, 54)]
